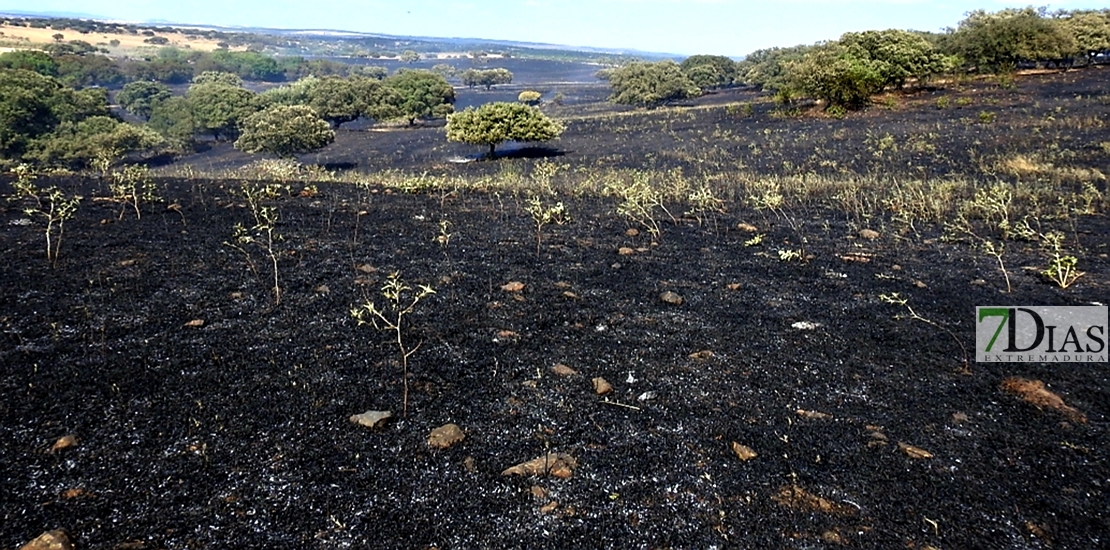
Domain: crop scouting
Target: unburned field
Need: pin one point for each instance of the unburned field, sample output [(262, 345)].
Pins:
[(22, 37), (812, 388)]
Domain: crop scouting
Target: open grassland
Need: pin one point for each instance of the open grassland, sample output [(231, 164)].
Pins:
[(20, 37)]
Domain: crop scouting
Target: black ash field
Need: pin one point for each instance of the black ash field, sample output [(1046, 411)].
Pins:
[(208, 415)]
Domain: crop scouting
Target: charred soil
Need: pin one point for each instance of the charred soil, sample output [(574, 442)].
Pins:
[(234, 432), (156, 395)]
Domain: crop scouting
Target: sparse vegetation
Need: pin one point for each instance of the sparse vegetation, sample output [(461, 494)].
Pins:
[(132, 185), (1062, 268), (543, 214), (400, 301), (50, 204), (802, 222)]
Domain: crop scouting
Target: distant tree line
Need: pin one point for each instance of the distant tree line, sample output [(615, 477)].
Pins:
[(846, 73), (487, 78), (46, 122), (79, 64)]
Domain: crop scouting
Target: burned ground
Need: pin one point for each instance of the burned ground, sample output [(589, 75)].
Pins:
[(234, 432)]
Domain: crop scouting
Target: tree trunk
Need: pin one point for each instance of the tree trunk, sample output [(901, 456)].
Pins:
[(492, 149)]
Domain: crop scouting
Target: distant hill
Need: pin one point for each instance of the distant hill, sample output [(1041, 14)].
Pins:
[(450, 43), (52, 14)]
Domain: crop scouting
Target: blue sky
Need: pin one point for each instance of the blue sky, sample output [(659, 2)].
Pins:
[(728, 27)]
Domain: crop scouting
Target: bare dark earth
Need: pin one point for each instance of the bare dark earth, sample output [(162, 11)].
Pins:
[(207, 416), (236, 433)]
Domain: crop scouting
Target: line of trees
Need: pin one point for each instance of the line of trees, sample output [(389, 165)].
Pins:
[(845, 73), (486, 77), (44, 121), (78, 64)]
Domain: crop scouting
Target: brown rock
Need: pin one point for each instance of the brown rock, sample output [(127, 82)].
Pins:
[(747, 227), (671, 298), (793, 496), (563, 370), (371, 419), (560, 465), (914, 452), (734, 286), (601, 386), (743, 452), (470, 465), (878, 438), (813, 415), (76, 492), (869, 234), (367, 268), (702, 355), (445, 436), (920, 284), (64, 442), (549, 507), (1034, 393), (632, 232), (538, 492), (1039, 532), (57, 539), (833, 536), (513, 286), (625, 251), (195, 323)]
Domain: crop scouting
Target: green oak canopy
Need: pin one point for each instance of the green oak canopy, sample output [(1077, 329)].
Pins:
[(285, 131), (495, 123)]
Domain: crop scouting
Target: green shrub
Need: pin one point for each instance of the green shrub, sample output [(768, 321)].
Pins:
[(529, 97)]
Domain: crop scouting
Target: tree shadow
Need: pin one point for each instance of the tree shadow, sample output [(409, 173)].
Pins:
[(338, 166), (527, 152)]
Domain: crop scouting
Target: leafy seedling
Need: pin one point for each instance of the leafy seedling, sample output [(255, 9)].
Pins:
[(264, 232), (896, 299), (400, 300), (545, 215), (49, 204), (132, 186)]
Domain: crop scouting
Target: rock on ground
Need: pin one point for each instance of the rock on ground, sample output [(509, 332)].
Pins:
[(57, 539)]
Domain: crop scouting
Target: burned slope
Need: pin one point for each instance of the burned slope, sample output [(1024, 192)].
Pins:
[(206, 415)]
